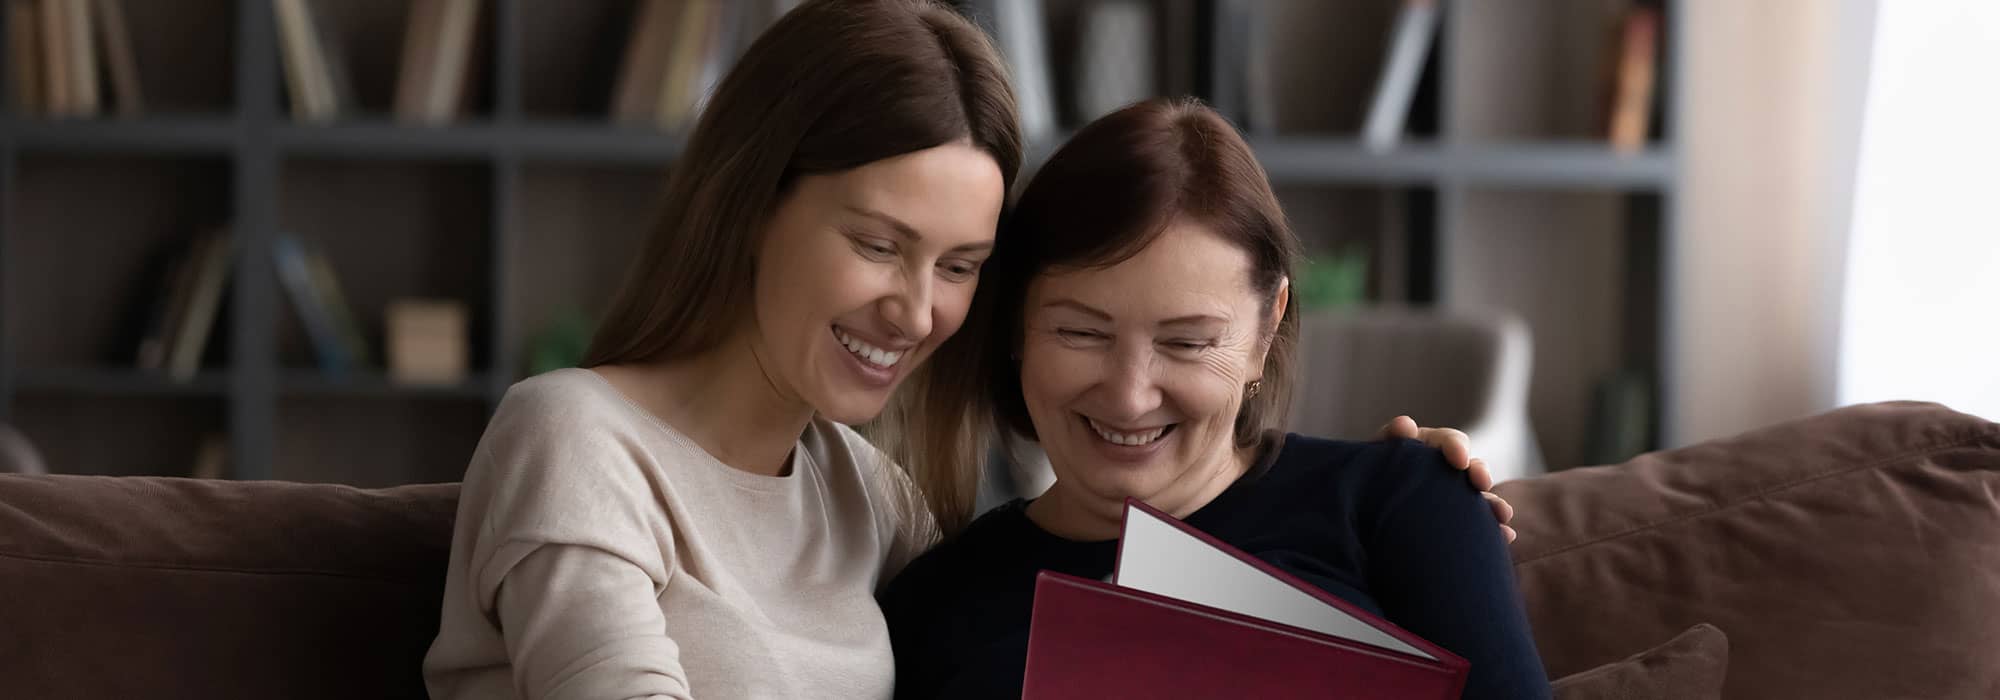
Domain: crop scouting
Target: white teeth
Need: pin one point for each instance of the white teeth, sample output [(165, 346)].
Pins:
[(1117, 438), (868, 353)]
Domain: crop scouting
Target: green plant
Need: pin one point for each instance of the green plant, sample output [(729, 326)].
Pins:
[(1334, 280), (562, 343)]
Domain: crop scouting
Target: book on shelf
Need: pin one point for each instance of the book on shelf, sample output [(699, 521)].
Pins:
[(307, 277), (1622, 418), (211, 457), (731, 21), (1396, 87), (172, 278), (24, 57), (315, 66), (181, 314), (1115, 57), (1020, 30), (434, 76), (1187, 615), (57, 48), (644, 67), (675, 55), (304, 66), (55, 56), (694, 33), (1179, 26), (80, 45), (119, 62), (326, 288), (212, 259), (1634, 67), (1239, 66)]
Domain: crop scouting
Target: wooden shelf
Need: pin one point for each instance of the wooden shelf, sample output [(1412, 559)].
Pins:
[(1552, 164), (365, 384), (582, 141), (199, 135), (595, 142), (120, 382), (388, 139)]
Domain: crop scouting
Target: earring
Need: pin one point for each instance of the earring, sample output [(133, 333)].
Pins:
[(1252, 388)]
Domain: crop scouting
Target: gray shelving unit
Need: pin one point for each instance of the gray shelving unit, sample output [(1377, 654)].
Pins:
[(1504, 196), (525, 209), (264, 173)]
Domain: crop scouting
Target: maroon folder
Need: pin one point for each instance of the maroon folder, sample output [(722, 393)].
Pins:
[(1260, 633)]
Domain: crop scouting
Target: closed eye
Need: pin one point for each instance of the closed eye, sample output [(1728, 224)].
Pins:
[(873, 248), (1079, 334), (959, 270)]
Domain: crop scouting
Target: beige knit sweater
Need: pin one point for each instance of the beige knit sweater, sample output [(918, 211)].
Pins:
[(600, 554)]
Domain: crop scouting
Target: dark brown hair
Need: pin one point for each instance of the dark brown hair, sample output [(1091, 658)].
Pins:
[(833, 85), (1105, 196)]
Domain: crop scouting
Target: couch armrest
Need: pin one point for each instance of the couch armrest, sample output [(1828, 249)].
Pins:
[(1851, 554)]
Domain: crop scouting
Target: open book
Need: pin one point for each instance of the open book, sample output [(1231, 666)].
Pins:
[(1189, 616)]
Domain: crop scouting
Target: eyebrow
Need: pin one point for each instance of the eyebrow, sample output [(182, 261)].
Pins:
[(1101, 315), (908, 232)]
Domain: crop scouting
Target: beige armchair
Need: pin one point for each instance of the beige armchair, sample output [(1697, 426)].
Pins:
[(1361, 367), (17, 455)]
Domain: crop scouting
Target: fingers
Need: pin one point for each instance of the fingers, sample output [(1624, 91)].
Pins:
[(1481, 477), (1457, 447), (1400, 427), (1509, 532), (1502, 510)]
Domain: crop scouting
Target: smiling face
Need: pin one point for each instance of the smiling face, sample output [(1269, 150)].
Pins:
[(863, 273), (1133, 374)]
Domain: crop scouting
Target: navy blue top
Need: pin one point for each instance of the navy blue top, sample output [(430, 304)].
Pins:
[(1387, 526)]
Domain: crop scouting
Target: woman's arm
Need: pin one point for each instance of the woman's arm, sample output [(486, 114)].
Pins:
[(1439, 568), (570, 551), (581, 622)]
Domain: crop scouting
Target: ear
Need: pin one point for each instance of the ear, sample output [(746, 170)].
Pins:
[(1278, 308), (1270, 328)]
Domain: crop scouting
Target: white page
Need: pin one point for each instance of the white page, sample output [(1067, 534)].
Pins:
[(1159, 558)]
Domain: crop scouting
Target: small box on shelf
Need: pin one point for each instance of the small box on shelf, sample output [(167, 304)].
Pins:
[(426, 341)]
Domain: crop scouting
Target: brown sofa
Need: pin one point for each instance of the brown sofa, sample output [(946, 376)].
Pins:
[(1850, 555)]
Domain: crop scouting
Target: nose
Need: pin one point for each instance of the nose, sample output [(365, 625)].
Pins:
[(908, 310), (1130, 391)]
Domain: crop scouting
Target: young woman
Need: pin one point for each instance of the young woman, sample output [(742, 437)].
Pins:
[(1143, 335), (691, 515)]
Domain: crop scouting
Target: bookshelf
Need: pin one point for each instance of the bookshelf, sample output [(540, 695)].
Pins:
[(526, 208)]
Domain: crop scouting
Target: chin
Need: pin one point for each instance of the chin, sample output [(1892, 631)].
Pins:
[(1112, 486), (854, 410)]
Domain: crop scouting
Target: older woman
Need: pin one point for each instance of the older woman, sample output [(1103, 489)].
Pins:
[(1139, 311)]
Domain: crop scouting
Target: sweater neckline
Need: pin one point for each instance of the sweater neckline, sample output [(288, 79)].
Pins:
[(797, 462)]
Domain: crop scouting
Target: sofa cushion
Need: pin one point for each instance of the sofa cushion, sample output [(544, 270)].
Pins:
[(1854, 554), (1690, 666), (162, 587)]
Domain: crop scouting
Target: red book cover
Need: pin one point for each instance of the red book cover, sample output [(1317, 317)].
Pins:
[(1190, 616)]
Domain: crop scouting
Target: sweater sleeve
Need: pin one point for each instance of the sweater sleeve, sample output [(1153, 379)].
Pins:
[(1440, 569), (581, 623), (573, 552)]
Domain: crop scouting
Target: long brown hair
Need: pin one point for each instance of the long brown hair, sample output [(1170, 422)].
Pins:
[(1105, 196), (833, 85)]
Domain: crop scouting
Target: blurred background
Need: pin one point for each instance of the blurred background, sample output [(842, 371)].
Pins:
[(317, 239)]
